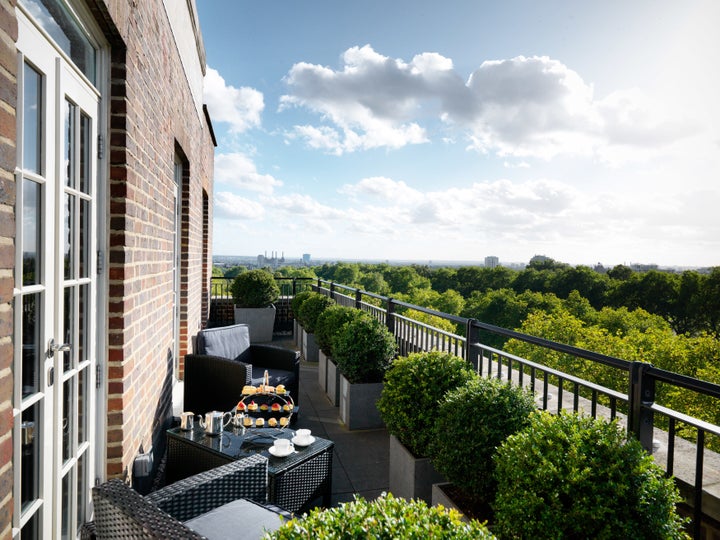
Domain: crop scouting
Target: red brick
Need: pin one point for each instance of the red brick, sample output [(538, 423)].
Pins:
[(7, 156), (8, 123), (6, 290), (8, 89), (8, 22), (6, 451), (6, 355)]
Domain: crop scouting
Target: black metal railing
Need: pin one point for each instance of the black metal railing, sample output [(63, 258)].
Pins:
[(221, 305), (656, 426)]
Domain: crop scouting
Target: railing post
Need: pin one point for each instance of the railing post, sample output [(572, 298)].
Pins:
[(358, 298), (642, 395), (294, 287), (332, 290), (389, 319), (472, 336)]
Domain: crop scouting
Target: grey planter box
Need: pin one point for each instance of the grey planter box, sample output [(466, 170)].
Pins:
[(440, 497), (261, 322), (333, 382), (411, 477), (322, 371), (358, 409), (299, 335), (310, 349)]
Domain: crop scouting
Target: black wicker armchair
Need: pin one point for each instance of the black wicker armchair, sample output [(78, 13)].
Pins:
[(226, 501), (226, 361)]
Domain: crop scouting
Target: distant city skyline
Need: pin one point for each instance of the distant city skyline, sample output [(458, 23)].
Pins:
[(417, 130), (481, 261)]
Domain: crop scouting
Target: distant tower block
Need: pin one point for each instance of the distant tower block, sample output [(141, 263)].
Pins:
[(491, 261)]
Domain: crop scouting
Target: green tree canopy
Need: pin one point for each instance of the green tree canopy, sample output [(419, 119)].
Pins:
[(403, 279)]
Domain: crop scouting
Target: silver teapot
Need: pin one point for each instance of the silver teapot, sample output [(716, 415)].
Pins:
[(215, 422), (187, 421)]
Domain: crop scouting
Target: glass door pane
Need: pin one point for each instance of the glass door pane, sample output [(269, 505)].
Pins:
[(56, 282), (32, 112), (77, 215), (32, 301)]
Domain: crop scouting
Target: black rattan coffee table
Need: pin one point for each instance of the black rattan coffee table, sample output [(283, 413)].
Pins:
[(294, 481)]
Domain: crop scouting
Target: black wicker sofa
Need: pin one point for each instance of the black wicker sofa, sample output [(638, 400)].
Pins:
[(225, 502), (225, 361)]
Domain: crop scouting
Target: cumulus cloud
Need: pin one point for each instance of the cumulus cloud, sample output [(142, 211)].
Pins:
[(485, 206), (383, 188), (240, 107), (373, 100), (302, 205), (238, 170), (231, 206), (528, 107), (524, 106)]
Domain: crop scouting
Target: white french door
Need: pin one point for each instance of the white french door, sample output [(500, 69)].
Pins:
[(55, 298)]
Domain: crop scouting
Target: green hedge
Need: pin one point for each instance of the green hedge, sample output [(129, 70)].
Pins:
[(364, 349), (254, 289), (311, 308), (386, 517), (472, 421), (414, 386), (330, 323), (571, 476)]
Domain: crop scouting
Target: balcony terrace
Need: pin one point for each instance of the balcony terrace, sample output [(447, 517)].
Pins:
[(362, 461)]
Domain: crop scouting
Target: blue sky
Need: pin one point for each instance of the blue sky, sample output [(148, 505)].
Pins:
[(417, 130)]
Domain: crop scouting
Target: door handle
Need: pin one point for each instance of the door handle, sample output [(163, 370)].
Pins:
[(54, 348)]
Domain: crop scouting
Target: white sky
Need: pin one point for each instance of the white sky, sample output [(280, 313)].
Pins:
[(585, 131)]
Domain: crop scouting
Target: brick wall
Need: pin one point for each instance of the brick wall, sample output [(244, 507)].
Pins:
[(8, 100), (152, 117)]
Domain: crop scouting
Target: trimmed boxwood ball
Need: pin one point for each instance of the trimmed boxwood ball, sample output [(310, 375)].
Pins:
[(414, 386), (572, 476), (472, 421), (297, 301), (385, 517), (311, 308), (329, 323), (254, 289), (364, 349)]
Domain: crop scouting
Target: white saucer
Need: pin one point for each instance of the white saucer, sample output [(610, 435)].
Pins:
[(303, 442), (278, 453)]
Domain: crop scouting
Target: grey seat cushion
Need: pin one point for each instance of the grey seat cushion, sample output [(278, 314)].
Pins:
[(237, 519), (225, 341)]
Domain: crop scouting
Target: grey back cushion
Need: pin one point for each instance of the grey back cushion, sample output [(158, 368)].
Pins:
[(225, 341)]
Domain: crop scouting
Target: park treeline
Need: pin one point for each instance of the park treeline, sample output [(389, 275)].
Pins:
[(671, 320), (688, 301)]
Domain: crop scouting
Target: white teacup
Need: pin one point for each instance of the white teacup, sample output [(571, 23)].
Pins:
[(282, 445), (303, 435)]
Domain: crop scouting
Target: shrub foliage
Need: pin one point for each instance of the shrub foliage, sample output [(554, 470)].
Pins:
[(572, 476), (311, 308), (297, 301), (472, 421), (254, 289), (414, 386), (364, 349), (385, 517), (329, 324)]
